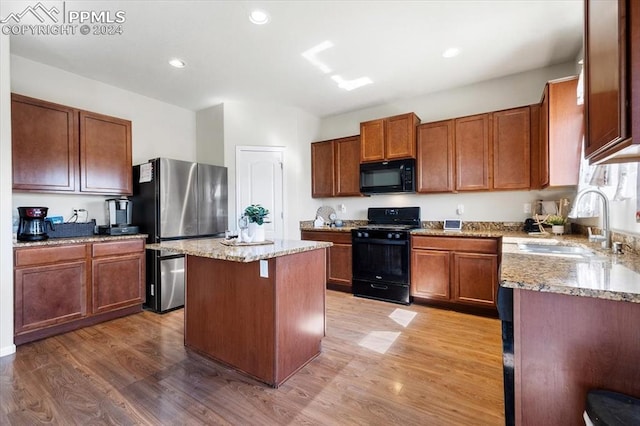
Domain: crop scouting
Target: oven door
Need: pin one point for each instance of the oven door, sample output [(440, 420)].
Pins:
[(381, 260)]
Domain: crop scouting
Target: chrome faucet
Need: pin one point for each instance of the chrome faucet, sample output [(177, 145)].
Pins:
[(605, 237)]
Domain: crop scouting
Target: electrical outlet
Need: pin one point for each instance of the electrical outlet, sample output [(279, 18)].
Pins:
[(343, 208), (527, 208), (460, 209)]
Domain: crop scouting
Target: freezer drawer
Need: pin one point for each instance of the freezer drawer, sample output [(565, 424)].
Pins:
[(165, 282)]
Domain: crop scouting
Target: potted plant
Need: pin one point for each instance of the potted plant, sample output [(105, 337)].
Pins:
[(256, 215), (557, 224)]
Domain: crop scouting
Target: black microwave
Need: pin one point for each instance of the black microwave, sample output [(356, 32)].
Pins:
[(388, 177)]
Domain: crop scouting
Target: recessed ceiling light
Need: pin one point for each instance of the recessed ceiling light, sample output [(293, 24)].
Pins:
[(178, 63), (259, 17), (451, 52)]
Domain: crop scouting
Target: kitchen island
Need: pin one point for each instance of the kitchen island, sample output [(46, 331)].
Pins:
[(576, 326), (259, 309)]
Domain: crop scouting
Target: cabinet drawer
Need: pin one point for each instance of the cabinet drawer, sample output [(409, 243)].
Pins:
[(118, 247), (459, 244), (330, 236), (51, 254)]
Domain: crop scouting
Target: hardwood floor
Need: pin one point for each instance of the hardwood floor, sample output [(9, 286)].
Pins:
[(440, 368)]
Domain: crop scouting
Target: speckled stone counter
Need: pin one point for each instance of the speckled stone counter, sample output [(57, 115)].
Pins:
[(214, 249), (603, 276), (75, 240)]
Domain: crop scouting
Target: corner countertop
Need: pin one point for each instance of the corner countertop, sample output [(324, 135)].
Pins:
[(75, 240), (214, 249), (604, 276)]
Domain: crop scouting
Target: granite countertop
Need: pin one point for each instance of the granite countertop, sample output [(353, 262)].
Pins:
[(213, 248), (75, 240), (604, 275)]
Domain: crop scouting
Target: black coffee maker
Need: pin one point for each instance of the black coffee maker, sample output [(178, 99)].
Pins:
[(32, 225)]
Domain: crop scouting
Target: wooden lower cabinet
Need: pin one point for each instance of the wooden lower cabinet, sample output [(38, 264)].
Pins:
[(118, 279), (455, 270), (59, 288), (339, 268), (50, 287)]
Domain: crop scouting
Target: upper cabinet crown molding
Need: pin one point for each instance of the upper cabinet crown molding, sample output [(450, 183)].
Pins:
[(612, 81), (60, 149), (390, 138)]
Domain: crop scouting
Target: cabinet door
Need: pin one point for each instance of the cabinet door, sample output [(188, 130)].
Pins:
[(473, 156), (322, 169), (339, 265), (44, 145), (372, 135), (50, 294), (565, 131), (347, 166), (400, 136), (105, 154), (435, 157), (475, 278), (430, 274), (511, 149), (605, 71), (118, 282)]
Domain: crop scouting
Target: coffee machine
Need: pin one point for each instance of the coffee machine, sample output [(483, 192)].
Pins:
[(31, 226), (119, 211)]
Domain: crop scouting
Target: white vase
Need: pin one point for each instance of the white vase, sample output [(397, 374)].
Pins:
[(557, 229), (256, 232)]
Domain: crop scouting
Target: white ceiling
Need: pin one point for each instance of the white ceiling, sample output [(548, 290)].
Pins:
[(398, 44)]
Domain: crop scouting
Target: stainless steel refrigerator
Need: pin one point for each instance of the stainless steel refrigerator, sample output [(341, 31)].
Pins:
[(172, 200)]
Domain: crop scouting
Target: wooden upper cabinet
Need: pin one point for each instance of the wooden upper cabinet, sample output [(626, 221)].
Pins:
[(511, 149), (44, 145), (347, 166), (390, 138), (322, 166), (105, 154), (64, 150), (561, 130), (335, 167), (435, 163), (473, 153), (612, 80), (372, 140)]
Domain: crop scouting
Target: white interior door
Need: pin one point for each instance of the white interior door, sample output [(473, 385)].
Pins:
[(259, 171)]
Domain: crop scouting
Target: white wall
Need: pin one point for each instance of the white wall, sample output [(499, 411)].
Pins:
[(210, 135), (158, 129), (6, 249), (512, 91), (271, 124)]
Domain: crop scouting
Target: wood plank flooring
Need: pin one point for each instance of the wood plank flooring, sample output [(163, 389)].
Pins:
[(437, 368)]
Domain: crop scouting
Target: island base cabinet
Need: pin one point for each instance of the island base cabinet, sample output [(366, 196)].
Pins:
[(265, 326), (566, 345)]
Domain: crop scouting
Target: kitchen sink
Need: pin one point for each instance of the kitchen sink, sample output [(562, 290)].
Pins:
[(557, 250)]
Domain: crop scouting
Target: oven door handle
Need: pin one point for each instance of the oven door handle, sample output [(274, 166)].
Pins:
[(379, 286), (380, 241)]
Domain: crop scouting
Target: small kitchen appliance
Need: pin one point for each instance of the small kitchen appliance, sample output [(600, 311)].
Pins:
[(381, 254), (119, 210), (31, 226)]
